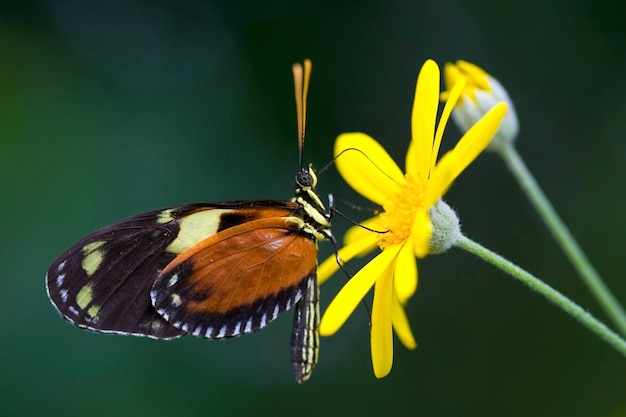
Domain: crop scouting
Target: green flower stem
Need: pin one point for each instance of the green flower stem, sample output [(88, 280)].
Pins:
[(547, 291), (563, 236)]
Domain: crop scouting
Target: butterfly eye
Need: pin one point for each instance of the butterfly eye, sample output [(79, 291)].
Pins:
[(304, 179)]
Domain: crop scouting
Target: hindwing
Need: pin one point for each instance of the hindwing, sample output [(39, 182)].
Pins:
[(238, 280)]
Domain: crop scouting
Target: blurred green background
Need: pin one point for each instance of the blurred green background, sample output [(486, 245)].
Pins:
[(111, 108)]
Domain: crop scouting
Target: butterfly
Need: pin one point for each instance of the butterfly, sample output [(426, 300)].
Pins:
[(213, 270)]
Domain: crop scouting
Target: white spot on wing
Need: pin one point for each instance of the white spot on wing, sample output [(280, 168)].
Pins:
[(197, 331), (222, 332), (61, 266), (237, 329), (73, 310), (248, 328), (60, 280), (172, 281), (209, 332), (276, 311), (63, 294), (263, 320), (185, 328)]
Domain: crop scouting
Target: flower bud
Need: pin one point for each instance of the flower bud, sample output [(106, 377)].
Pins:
[(480, 94), (446, 227)]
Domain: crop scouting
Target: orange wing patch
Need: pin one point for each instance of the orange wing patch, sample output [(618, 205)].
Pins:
[(238, 280)]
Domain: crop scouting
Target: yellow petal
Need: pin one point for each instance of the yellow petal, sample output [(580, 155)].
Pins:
[(381, 336), (401, 325), (358, 248), (478, 77), (421, 232), (423, 118), (469, 147), (443, 120), (351, 294), (451, 74), (405, 276), (367, 167)]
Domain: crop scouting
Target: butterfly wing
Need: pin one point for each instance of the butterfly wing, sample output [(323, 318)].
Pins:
[(305, 337), (238, 280), (103, 282)]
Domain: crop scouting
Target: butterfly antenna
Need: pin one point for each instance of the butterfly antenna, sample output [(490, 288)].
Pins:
[(301, 77)]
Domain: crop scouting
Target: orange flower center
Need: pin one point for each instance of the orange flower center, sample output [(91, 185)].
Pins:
[(400, 209)]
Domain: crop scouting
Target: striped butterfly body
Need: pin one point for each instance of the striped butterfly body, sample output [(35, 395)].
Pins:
[(212, 270)]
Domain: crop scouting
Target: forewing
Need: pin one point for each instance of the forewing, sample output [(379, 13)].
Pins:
[(103, 282), (238, 280)]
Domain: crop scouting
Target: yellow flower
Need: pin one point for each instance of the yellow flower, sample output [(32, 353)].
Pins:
[(481, 93), (404, 224)]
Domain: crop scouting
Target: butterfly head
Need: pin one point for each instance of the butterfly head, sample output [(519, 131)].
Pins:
[(306, 179), (314, 212)]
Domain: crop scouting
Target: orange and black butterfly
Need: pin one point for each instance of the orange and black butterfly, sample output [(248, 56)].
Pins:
[(212, 270)]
